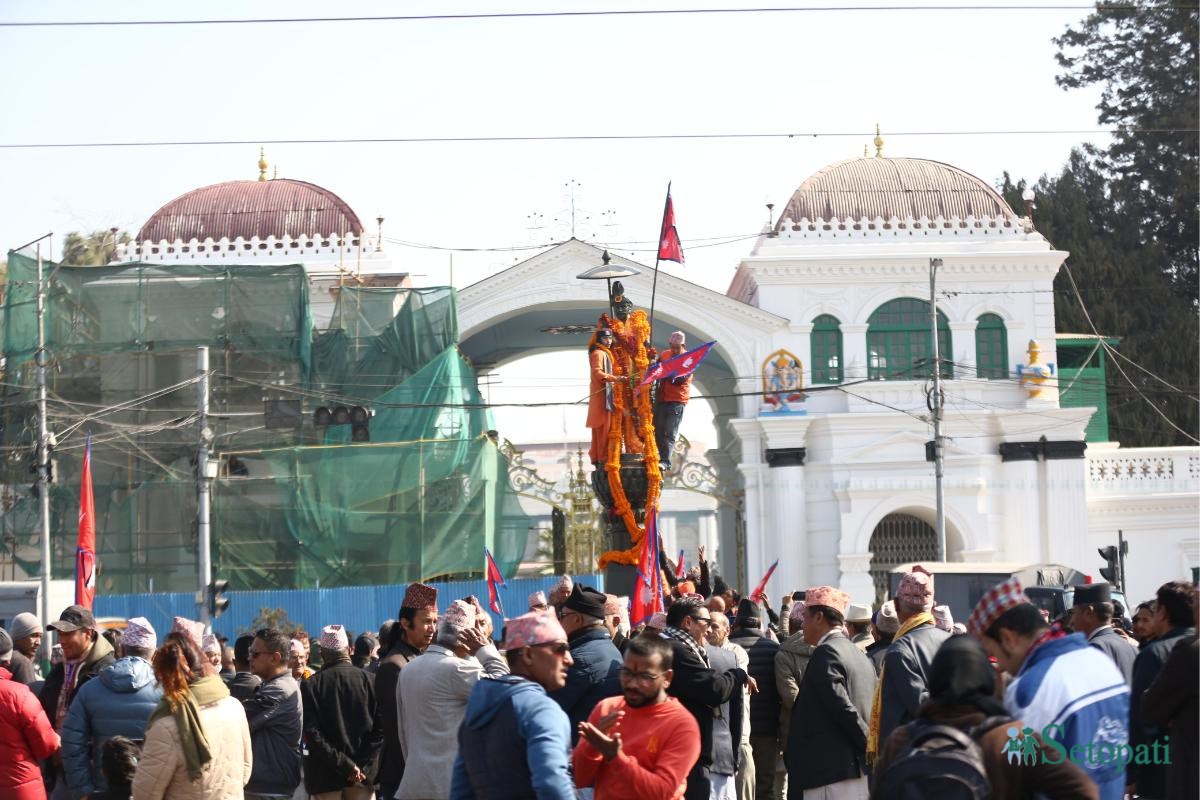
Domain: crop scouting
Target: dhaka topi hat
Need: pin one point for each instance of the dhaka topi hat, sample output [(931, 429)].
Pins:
[(461, 614), (829, 597), (797, 612), (24, 624), (886, 620), (1092, 593), (565, 583), (994, 604), (6, 645), (943, 618), (74, 618), (537, 600), (190, 629), (210, 643), (297, 648), (587, 601), (677, 338), (916, 588), (333, 637), (139, 633), (858, 613), (658, 621), (418, 595), (612, 605), (536, 627)]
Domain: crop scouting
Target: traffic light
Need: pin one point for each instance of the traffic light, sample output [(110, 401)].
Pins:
[(218, 603), (357, 417), (1112, 572)]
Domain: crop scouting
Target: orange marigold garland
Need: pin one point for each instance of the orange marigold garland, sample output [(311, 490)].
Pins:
[(627, 397)]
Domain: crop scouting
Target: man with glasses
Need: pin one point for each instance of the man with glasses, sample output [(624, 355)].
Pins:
[(512, 726), (642, 744), (275, 715), (593, 676), (701, 689)]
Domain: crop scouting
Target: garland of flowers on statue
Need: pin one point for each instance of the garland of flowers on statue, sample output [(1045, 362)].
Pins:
[(625, 393)]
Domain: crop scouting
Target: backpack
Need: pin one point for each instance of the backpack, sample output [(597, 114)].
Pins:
[(941, 762)]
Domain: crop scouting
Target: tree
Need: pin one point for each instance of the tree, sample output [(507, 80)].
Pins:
[(1126, 294), (94, 249), (1144, 56)]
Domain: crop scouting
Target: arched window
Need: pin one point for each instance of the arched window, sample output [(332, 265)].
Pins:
[(899, 346), (826, 350), (991, 347)]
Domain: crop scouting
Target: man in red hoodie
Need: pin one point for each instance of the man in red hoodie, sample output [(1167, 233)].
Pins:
[(643, 744), (26, 736)]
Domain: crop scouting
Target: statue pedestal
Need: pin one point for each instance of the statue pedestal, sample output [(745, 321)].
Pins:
[(619, 578)]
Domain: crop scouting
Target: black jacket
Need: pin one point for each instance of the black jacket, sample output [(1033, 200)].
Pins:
[(877, 651), (727, 718), (276, 719), (701, 690), (594, 676), (22, 669), (242, 685), (906, 676), (764, 706), (387, 718), (339, 727), (827, 736), (1116, 647), (1151, 779)]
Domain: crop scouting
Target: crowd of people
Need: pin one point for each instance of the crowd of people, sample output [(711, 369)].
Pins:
[(716, 698)]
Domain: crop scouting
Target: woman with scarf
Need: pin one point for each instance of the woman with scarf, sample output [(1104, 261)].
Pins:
[(962, 695), (197, 741)]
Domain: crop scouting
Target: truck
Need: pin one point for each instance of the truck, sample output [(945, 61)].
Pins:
[(958, 585), (19, 596)]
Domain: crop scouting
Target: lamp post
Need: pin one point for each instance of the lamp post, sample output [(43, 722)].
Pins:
[(607, 271)]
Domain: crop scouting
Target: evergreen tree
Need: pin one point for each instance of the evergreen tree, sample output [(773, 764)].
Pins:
[(94, 249), (1144, 56)]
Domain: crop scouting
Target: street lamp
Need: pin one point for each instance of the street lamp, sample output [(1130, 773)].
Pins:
[(608, 271)]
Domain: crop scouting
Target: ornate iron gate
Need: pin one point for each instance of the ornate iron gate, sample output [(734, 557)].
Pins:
[(899, 539)]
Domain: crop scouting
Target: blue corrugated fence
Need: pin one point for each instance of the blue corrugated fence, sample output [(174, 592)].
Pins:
[(359, 608)]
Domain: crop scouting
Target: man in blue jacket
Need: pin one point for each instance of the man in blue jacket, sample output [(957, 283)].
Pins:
[(596, 673), (515, 741), (117, 703)]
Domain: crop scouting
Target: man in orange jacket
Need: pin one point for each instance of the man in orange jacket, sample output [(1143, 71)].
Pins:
[(672, 397)]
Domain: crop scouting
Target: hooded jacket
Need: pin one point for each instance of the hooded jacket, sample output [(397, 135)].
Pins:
[(117, 703), (790, 663), (519, 741), (25, 737)]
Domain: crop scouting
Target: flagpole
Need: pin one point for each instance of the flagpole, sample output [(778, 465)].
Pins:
[(657, 254)]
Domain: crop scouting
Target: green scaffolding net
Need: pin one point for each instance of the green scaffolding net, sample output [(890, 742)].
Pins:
[(294, 505)]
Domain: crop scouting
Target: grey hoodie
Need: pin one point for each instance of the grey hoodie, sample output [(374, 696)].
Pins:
[(790, 663)]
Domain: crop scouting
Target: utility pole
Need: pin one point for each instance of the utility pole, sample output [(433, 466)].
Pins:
[(936, 409), (204, 535), (43, 453)]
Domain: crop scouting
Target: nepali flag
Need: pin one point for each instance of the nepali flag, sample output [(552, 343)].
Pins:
[(760, 591), (679, 366), (669, 246), (494, 581), (647, 598), (680, 571), (85, 550)]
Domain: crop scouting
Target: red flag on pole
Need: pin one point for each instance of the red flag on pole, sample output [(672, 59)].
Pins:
[(494, 580), (85, 551), (759, 592), (647, 599), (669, 246)]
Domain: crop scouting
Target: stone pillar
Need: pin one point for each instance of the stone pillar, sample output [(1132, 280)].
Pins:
[(1065, 499), (962, 343), (1022, 502), (854, 351), (755, 560), (787, 532), (670, 541), (856, 577), (706, 525)]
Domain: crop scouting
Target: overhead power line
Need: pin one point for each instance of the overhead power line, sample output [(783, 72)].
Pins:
[(586, 137), (635, 12)]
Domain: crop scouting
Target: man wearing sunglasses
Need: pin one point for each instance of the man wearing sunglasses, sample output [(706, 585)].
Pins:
[(642, 744), (701, 689), (275, 718)]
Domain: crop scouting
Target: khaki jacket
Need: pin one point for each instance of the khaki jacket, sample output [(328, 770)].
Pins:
[(162, 771)]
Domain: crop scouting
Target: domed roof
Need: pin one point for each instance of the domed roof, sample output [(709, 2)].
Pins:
[(893, 187), (248, 209)]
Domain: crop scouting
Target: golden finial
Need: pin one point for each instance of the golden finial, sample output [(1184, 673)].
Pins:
[(878, 142), (262, 164)]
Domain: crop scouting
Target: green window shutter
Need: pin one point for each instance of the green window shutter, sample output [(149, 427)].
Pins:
[(991, 347), (826, 350), (899, 345)]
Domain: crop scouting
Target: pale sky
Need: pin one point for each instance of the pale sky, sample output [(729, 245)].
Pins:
[(917, 73)]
